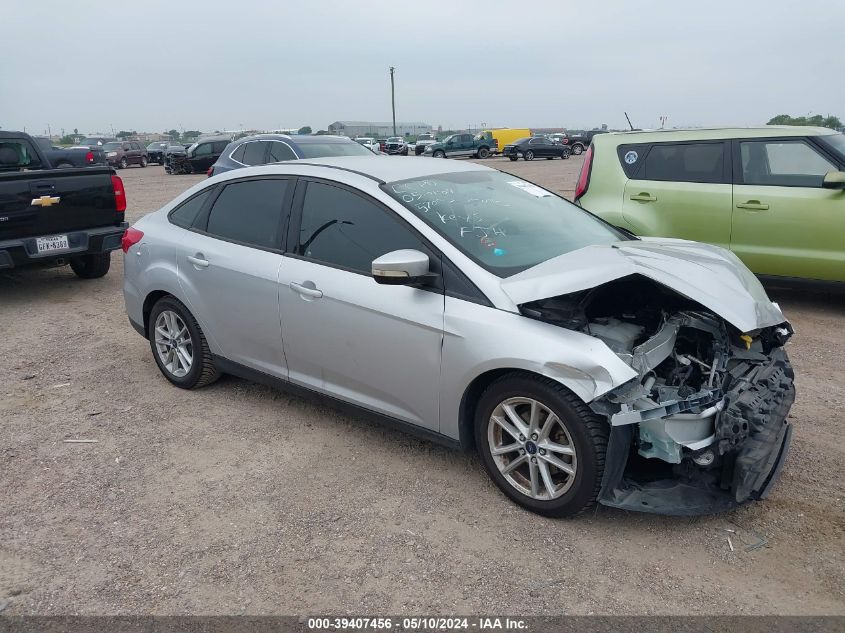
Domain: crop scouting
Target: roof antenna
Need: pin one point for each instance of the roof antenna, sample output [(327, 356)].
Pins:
[(629, 121)]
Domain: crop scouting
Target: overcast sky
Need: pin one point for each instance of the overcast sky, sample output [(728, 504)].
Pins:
[(151, 65)]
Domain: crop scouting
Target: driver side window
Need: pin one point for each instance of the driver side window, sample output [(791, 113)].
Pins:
[(346, 230)]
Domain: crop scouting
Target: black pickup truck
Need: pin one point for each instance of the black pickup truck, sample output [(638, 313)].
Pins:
[(57, 216), (70, 157)]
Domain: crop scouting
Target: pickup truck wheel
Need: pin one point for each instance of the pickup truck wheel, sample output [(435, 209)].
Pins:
[(577, 149), (123, 164), (179, 346), (513, 157), (439, 154), (143, 161), (483, 152), (540, 444), (91, 266), (529, 155)]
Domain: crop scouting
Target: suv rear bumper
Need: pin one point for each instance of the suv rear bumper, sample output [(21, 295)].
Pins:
[(24, 251)]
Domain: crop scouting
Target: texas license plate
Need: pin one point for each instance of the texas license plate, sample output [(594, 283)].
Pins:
[(52, 243)]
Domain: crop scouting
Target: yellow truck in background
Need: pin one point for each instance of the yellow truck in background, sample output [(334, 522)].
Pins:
[(504, 136)]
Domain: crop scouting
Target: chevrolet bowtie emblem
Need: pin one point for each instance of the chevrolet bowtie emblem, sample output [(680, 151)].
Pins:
[(45, 201)]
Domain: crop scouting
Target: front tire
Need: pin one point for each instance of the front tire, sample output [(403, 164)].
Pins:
[(577, 149), (91, 266), (179, 346), (143, 162), (513, 157), (541, 445), (439, 154), (123, 164)]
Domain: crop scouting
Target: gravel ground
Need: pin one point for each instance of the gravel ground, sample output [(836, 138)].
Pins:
[(241, 499)]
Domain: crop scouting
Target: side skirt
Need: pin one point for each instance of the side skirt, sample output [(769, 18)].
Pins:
[(247, 373)]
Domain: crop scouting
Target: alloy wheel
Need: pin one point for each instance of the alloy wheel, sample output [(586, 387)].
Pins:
[(532, 448), (173, 343)]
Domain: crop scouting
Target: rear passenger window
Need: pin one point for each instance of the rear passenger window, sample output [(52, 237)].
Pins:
[(685, 162), (254, 153), (185, 214), (219, 146), (783, 164), (238, 154), (249, 212), (280, 151)]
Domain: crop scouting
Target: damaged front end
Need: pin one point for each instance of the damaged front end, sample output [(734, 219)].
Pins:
[(703, 427)]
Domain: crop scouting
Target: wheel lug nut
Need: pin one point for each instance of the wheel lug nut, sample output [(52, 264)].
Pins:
[(521, 438), (533, 436), (542, 451), (533, 460), (522, 451)]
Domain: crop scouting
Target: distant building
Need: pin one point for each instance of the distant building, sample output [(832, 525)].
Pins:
[(377, 128)]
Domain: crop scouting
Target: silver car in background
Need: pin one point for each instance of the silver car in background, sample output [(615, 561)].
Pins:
[(477, 309)]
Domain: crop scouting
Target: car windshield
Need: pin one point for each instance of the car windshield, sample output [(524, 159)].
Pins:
[(394, 139), (91, 141), (156, 145), (502, 222), (836, 141), (112, 145), (321, 150)]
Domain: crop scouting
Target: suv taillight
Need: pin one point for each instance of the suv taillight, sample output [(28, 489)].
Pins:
[(130, 238), (119, 194), (89, 157), (584, 176)]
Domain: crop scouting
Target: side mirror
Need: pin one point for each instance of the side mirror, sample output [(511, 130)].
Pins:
[(834, 180), (399, 268)]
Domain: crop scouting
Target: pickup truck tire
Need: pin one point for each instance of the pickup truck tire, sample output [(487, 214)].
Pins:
[(91, 266), (439, 154), (483, 152), (513, 157), (529, 155), (123, 164), (143, 162), (202, 371), (577, 149)]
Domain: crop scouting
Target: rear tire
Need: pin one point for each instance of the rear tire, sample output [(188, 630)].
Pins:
[(576, 429), (91, 266), (143, 162), (123, 164), (565, 154), (202, 371), (439, 154), (529, 155), (513, 157), (483, 152), (577, 149)]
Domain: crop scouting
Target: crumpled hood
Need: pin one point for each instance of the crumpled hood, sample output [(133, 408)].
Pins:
[(710, 275)]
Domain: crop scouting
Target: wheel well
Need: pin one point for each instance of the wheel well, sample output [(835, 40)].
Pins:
[(149, 302), (469, 401)]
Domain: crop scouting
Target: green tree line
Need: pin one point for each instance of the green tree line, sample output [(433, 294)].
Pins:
[(816, 120)]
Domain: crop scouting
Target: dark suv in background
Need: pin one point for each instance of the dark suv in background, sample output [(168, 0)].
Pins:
[(121, 154), (157, 150), (198, 158), (273, 148)]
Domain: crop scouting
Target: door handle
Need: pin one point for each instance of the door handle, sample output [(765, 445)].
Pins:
[(305, 290), (644, 197), (198, 261), (753, 205)]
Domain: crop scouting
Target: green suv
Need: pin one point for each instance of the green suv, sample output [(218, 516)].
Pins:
[(775, 195)]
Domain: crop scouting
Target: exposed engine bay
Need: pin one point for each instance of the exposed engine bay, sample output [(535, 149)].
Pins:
[(704, 425)]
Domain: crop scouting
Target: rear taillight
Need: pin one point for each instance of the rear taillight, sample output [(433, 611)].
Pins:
[(130, 238), (584, 176), (119, 194), (89, 157), (210, 171), (496, 143)]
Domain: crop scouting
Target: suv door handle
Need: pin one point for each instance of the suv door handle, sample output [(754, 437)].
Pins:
[(753, 205), (644, 197), (305, 290), (198, 261)]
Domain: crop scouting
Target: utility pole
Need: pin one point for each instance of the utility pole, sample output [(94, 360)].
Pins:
[(393, 99)]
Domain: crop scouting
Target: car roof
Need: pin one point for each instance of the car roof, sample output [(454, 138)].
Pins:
[(303, 139), (379, 168), (711, 133)]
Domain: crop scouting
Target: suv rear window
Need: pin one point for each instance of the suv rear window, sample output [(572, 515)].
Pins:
[(249, 212), (685, 162)]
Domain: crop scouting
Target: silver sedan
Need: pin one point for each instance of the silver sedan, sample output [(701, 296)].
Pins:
[(480, 310)]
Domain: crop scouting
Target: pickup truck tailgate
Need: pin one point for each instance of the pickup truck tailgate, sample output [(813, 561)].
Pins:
[(56, 201)]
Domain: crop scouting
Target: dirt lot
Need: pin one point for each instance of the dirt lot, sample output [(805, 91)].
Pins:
[(237, 498)]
